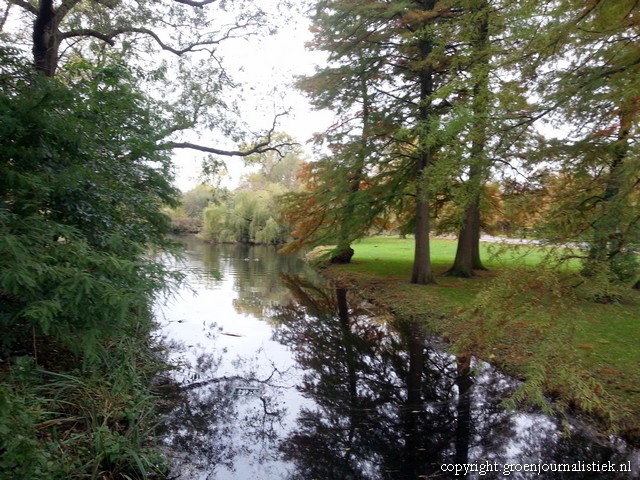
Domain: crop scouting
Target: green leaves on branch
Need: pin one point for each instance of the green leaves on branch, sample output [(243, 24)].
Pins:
[(81, 189), (81, 185)]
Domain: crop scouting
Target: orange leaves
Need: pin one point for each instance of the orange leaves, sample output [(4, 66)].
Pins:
[(420, 17)]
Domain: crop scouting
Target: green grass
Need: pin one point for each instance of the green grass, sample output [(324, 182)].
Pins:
[(394, 255), (576, 341), (607, 339)]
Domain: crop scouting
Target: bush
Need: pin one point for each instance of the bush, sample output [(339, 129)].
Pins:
[(82, 185)]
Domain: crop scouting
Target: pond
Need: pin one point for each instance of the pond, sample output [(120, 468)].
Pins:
[(285, 377)]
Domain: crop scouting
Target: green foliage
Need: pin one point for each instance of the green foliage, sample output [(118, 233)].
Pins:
[(214, 223), (71, 425), (197, 199), (188, 217), (82, 185), (22, 455), (249, 218), (251, 213), (593, 91)]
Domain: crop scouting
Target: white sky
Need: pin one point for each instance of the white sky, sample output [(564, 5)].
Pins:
[(264, 65), (267, 66)]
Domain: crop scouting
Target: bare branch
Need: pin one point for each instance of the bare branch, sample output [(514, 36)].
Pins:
[(109, 38), (176, 51), (25, 5), (87, 32), (262, 147)]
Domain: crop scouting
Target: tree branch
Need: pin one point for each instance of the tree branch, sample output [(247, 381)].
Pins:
[(5, 15), (110, 36), (64, 9), (192, 3), (25, 5), (261, 147), (176, 51), (87, 32)]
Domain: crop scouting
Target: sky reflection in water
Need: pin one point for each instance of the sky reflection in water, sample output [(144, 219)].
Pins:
[(285, 377)]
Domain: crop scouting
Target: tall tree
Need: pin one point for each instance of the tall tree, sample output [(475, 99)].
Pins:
[(401, 45), (353, 86), (595, 96), (492, 106), (467, 257), (418, 22), (184, 29)]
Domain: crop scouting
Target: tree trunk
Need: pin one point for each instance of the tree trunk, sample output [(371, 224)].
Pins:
[(607, 241), (46, 39), (422, 273), (342, 254), (468, 252)]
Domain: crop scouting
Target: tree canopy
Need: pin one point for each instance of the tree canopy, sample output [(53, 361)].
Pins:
[(175, 46), (441, 103)]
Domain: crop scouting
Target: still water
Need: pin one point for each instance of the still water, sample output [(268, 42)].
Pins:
[(285, 377)]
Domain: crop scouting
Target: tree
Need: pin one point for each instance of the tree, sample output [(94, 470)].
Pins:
[(214, 224), (251, 213), (195, 28), (197, 199), (81, 198), (75, 179), (485, 119), (421, 66), (388, 67), (467, 257), (344, 176), (275, 167), (595, 94), (353, 86), (188, 216)]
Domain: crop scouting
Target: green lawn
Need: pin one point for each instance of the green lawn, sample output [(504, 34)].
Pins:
[(394, 255), (576, 340)]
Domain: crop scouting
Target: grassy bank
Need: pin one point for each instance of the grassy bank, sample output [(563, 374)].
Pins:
[(62, 419), (523, 314)]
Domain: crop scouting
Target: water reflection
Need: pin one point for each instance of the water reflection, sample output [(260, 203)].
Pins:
[(222, 421), (385, 405), (392, 405), (300, 381)]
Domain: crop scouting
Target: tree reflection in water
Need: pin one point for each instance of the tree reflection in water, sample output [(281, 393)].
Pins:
[(388, 404), (366, 398), (219, 418)]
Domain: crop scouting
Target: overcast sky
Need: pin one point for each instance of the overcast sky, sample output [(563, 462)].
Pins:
[(267, 66)]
